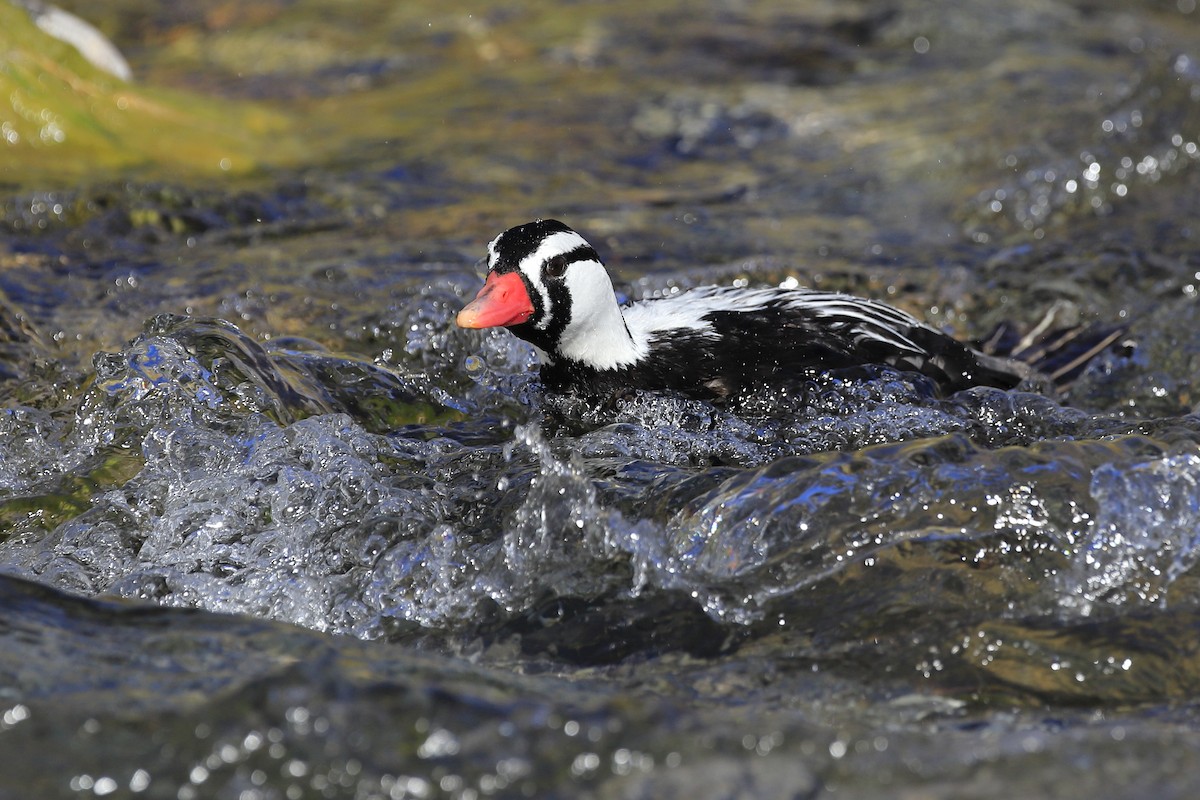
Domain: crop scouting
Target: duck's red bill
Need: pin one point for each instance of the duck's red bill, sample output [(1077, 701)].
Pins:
[(502, 301)]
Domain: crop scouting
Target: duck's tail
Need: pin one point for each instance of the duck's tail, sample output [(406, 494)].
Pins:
[(1058, 351)]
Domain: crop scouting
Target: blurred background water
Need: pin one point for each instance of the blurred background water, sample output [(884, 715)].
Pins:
[(271, 526)]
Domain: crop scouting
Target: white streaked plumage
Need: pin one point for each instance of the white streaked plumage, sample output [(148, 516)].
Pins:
[(601, 341)]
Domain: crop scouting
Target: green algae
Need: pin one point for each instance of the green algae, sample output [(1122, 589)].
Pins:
[(64, 120), (40, 513)]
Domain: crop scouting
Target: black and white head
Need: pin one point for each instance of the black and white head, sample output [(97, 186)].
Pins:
[(548, 286)]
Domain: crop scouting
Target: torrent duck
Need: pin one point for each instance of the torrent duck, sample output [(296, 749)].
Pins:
[(547, 285)]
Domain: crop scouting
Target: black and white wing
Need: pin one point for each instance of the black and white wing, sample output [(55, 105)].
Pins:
[(828, 330)]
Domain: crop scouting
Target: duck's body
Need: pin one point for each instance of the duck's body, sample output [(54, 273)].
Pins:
[(715, 342), (548, 286)]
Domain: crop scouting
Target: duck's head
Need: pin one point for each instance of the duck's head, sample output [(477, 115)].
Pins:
[(547, 285)]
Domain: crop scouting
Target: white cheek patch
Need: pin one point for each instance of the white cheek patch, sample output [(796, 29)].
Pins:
[(597, 334), (591, 290)]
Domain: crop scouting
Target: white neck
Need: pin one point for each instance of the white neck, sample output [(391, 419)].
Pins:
[(597, 334)]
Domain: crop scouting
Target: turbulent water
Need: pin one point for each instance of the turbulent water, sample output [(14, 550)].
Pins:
[(272, 526)]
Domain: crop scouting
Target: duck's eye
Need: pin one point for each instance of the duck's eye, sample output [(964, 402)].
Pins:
[(556, 267)]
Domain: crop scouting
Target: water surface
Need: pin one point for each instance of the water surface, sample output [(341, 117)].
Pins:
[(272, 526)]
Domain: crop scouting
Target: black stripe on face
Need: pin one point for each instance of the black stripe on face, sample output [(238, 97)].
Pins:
[(557, 316), (555, 267), (535, 297), (516, 244), (561, 310)]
